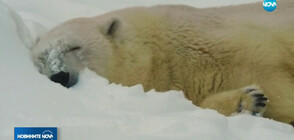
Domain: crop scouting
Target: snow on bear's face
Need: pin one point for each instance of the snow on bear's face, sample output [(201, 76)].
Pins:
[(67, 49)]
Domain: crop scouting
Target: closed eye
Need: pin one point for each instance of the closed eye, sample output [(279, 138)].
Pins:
[(74, 49)]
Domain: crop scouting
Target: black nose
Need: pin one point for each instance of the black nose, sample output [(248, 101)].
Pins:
[(62, 78)]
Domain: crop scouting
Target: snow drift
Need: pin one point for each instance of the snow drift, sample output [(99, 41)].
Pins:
[(95, 109)]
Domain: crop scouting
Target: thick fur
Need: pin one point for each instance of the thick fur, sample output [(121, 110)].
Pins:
[(213, 54)]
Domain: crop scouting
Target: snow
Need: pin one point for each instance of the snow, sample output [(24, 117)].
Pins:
[(95, 109), (54, 58)]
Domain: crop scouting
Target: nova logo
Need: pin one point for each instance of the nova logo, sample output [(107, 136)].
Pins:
[(35, 133), (269, 5), (47, 135)]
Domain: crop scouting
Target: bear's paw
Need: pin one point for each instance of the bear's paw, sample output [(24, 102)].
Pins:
[(253, 101)]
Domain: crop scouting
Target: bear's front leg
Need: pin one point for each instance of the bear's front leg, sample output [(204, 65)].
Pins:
[(249, 99)]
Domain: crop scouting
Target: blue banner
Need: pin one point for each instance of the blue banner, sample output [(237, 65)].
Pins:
[(35, 133)]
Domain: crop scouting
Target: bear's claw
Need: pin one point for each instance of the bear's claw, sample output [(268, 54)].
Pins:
[(253, 101)]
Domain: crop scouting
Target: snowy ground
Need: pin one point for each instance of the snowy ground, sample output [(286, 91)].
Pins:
[(93, 109)]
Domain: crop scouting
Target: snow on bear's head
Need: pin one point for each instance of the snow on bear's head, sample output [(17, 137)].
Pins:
[(70, 47)]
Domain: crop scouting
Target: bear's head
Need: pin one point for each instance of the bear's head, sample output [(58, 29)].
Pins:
[(70, 47)]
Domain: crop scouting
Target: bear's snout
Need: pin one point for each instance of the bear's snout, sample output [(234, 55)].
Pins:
[(63, 78)]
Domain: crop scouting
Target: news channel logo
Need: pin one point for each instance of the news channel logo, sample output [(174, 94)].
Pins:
[(269, 5), (35, 133)]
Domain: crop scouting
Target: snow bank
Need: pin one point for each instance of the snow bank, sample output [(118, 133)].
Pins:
[(93, 109)]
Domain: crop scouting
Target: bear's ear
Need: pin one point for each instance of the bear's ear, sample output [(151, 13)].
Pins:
[(112, 26)]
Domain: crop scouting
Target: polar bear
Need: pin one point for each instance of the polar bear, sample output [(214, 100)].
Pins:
[(232, 59)]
